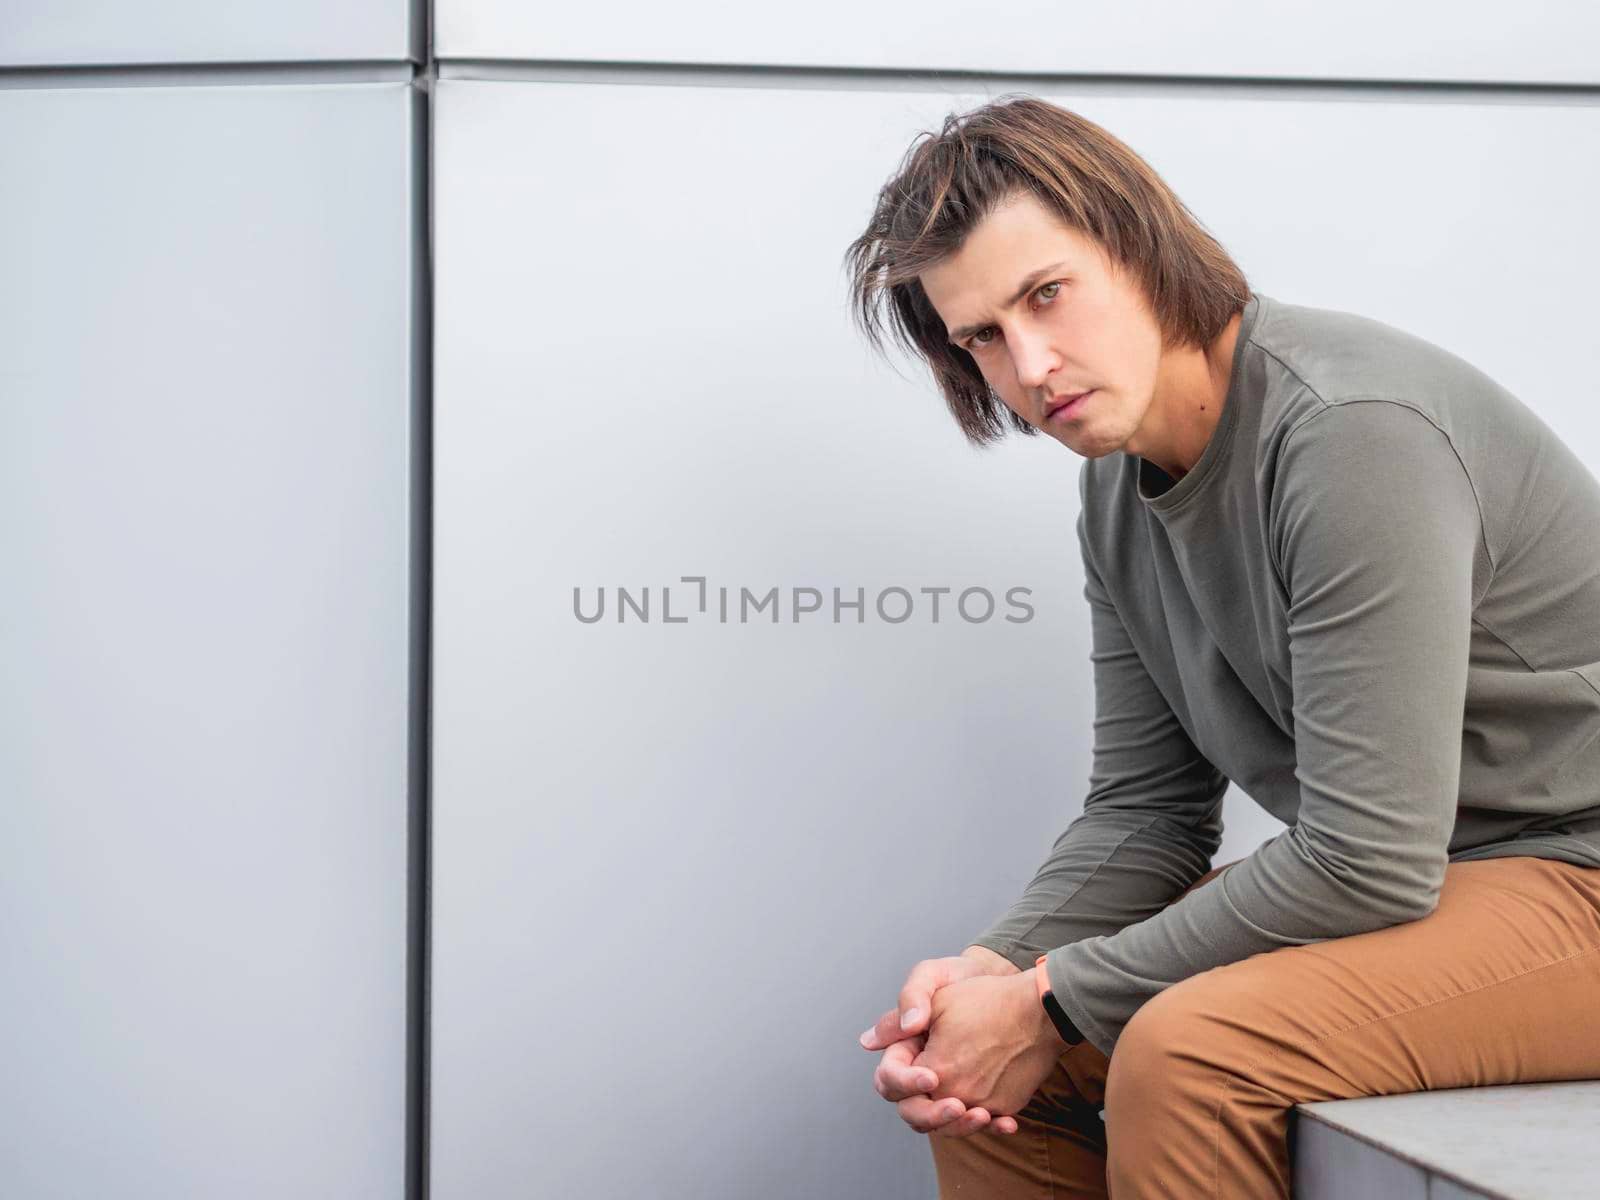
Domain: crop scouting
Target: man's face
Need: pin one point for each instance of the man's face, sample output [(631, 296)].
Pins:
[(1081, 325)]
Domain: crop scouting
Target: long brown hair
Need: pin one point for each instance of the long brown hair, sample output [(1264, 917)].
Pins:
[(948, 182)]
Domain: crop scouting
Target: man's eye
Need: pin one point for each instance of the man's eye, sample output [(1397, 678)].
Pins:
[(978, 339)]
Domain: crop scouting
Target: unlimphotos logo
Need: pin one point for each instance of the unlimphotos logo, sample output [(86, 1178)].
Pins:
[(741, 606)]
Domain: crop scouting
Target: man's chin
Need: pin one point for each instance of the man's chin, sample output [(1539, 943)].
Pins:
[(1088, 449)]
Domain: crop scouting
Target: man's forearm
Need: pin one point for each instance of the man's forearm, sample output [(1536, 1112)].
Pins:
[(994, 964)]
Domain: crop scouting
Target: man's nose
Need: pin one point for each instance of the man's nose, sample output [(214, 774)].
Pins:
[(1034, 361)]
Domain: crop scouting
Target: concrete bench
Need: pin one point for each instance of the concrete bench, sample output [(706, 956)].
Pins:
[(1531, 1141)]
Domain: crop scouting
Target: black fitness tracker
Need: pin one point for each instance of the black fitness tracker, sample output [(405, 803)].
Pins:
[(1070, 1034)]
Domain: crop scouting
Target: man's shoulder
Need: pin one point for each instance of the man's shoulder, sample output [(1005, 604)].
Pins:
[(1313, 358)]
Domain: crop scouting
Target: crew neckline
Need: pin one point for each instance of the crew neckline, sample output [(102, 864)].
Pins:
[(1221, 437)]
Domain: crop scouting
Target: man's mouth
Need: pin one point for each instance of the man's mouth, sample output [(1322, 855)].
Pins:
[(1066, 406)]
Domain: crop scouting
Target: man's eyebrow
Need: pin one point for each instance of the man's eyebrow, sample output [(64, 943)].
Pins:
[(1026, 286)]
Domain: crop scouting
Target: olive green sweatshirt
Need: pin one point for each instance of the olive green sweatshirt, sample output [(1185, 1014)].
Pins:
[(1374, 605)]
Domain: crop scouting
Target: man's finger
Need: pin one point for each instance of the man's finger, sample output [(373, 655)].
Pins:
[(915, 999), (925, 1114), (885, 1031), (896, 1078), (968, 1123)]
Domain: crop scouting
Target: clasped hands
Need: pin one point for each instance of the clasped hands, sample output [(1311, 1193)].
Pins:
[(967, 1045)]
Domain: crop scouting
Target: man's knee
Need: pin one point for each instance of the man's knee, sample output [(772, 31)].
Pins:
[(985, 1164), (1175, 1044)]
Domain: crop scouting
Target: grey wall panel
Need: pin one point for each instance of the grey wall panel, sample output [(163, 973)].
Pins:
[(204, 403), (88, 32), (679, 866), (653, 842), (1542, 41)]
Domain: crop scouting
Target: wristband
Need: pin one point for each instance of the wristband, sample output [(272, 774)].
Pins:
[(1058, 1015)]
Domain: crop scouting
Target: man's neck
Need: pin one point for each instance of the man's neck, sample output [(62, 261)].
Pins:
[(1191, 390)]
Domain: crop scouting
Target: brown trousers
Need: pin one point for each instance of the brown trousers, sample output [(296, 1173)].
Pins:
[(1499, 984)]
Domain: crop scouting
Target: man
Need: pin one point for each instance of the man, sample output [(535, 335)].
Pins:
[(1324, 559)]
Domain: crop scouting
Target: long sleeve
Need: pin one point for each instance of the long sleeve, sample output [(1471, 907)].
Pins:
[(1151, 818), (1375, 533)]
